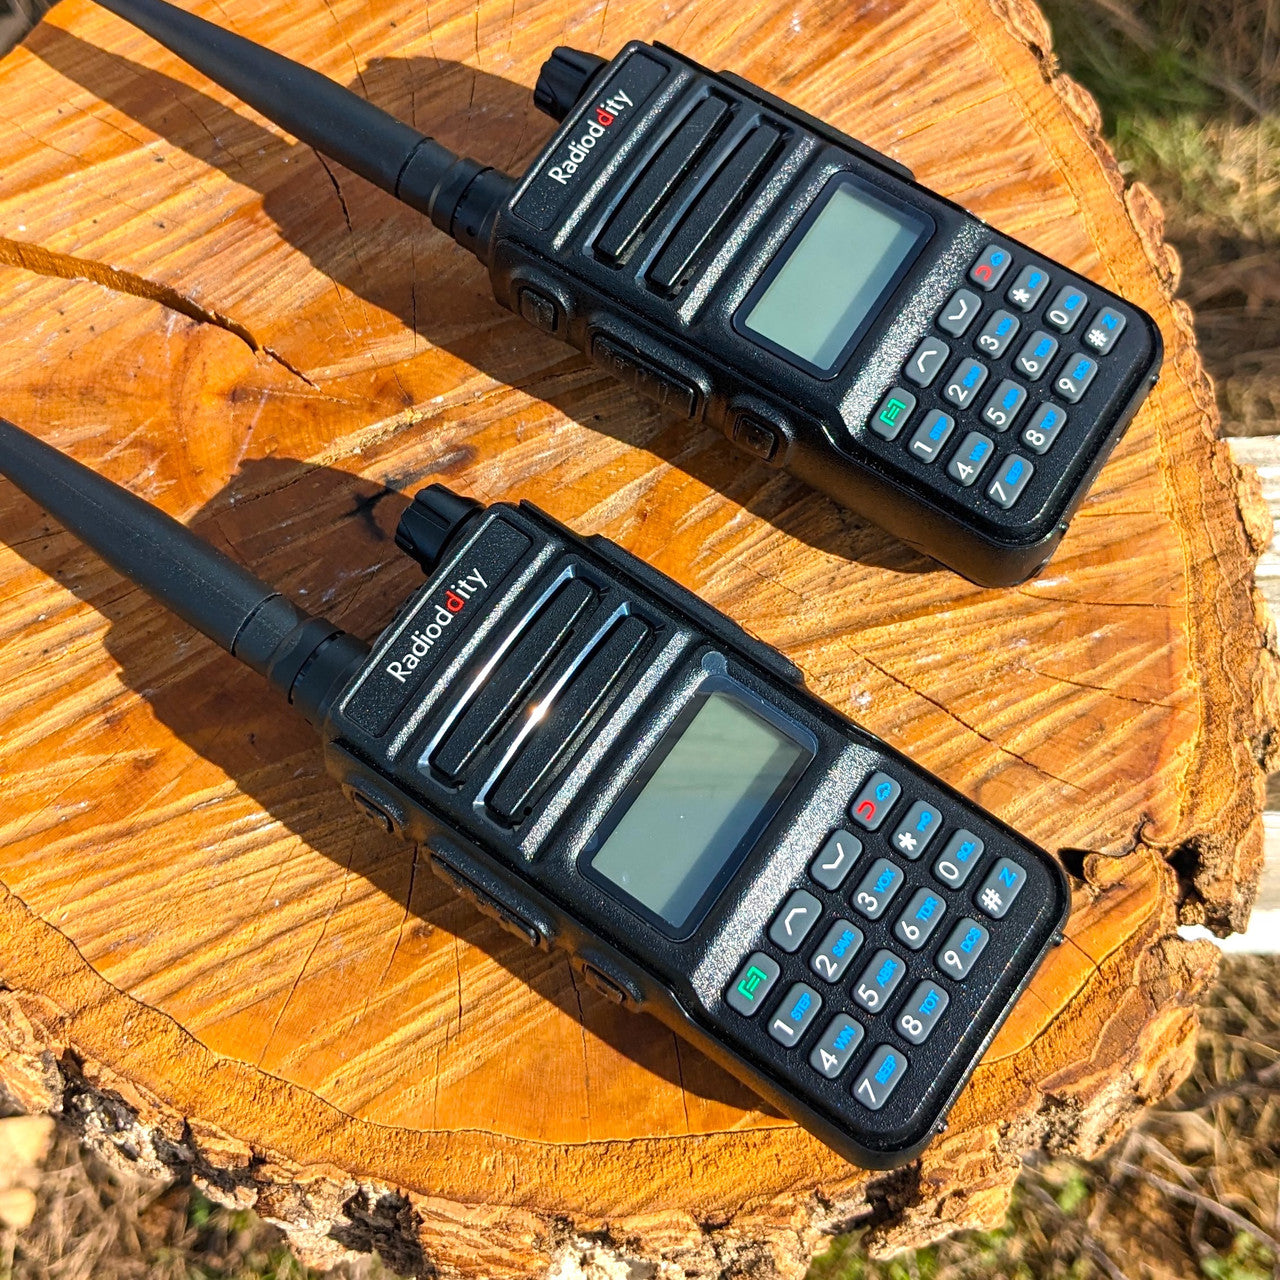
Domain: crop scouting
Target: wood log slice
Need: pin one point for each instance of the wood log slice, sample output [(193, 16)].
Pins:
[(212, 964)]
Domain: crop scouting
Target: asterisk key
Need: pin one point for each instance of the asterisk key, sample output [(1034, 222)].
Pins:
[(1021, 295), (906, 841)]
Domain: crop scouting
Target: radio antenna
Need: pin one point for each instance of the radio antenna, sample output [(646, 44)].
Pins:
[(303, 656), (460, 196)]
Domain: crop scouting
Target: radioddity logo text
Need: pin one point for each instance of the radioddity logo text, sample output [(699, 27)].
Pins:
[(606, 113), (423, 638)]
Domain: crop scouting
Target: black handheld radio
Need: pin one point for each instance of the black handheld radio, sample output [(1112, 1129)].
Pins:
[(606, 764), (751, 267)]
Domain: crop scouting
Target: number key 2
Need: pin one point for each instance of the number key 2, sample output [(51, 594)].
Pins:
[(841, 944)]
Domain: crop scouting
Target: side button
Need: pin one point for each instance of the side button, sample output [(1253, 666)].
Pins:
[(608, 981), (755, 436), (378, 816), (539, 310), (515, 917), (645, 377)]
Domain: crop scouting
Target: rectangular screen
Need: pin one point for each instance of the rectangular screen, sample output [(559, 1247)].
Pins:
[(720, 780), (834, 273)]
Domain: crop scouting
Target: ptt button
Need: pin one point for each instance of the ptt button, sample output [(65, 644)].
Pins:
[(873, 802), (965, 383), (755, 435), (926, 361), (973, 454), (989, 269), (878, 886), (1003, 884), (1104, 329), (539, 310), (958, 858), (1067, 309), (837, 949), (1044, 427), (892, 414), (1005, 403), (923, 914), (1074, 378), (997, 333), (1038, 350), (932, 434), (880, 1077), (963, 946), (959, 313), (921, 824), (791, 925), (833, 862), (919, 1016), (752, 984), (879, 980), (1025, 291), (831, 1054), (799, 1007), (1010, 481)]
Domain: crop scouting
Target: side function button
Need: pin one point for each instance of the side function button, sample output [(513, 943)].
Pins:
[(1074, 379), (923, 914), (926, 361), (997, 333), (958, 314), (1067, 308), (1025, 291), (963, 946), (915, 831), (877, 889), (791, 925), (892, 414), (974, 453), (836, 950), (1005, 404), (752, 984), (1038, 350), (958, 858), (833, 862), (799, 1007), (1010, 481), (880, 1077), (644, 377), (919, 1016), (873, 802), (965, 383), (831, 1054), (1044, 427), (989, 269), (755, 435), (1003, 884), (932, 434), (539, 310), (1104, 329), (879, 980)]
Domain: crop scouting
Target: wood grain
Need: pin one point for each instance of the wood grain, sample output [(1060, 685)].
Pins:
[(208, 959)]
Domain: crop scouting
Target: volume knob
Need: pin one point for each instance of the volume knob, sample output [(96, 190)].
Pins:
[(433, 517), (563, 80)]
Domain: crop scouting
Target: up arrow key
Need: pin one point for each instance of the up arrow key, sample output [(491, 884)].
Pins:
[(792, 924)]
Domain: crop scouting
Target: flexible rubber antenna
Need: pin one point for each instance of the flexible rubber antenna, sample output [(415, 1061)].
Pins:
[(301, 655), (459, 195)]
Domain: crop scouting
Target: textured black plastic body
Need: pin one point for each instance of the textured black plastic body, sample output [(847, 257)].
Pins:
[(387, 728), (661, 311)]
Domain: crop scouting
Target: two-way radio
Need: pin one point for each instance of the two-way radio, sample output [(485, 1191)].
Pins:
[(748, 266), (604, 763)]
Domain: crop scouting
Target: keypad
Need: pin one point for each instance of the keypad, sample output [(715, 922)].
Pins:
[(932, 434), (836, 950), (831, 1054), (923, 915), (878, 888), (791, 1019), (851, 973), (958, 858), (965, 943), (1008, 349), (792, 925), (920, 825), (880, 1077), (879, 980), (833, 862), (926, 1004)]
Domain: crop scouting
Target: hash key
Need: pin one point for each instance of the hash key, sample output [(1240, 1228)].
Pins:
[(1003, 884)]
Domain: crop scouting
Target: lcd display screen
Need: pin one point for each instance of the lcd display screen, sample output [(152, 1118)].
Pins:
[(716, 781), (833, 274)]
